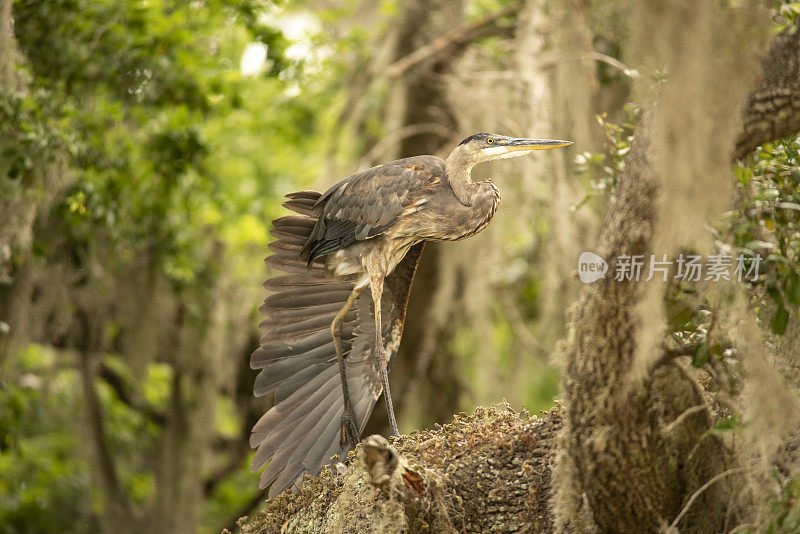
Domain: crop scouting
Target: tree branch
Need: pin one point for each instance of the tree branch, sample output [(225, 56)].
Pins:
[(128, 397), (453, 40), (485, 472), (617, 64), (108, 469), (237, 457), (700, 491)]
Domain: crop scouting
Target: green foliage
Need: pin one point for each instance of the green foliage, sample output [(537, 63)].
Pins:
[(786, 11), (785, 506), (603, 169), (727, 424), (43, 476), (767, 223), (30, 138), (133, 84), (146, 97)]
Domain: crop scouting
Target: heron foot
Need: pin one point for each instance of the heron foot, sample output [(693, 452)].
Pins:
[(349, 431)]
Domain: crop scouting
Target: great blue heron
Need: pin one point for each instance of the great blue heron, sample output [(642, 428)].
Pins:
[(324, 353)]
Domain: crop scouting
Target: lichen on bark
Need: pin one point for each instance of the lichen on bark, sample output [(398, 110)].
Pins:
[(484, 472)]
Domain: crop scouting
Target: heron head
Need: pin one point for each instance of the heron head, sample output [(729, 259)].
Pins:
[(488, 146)]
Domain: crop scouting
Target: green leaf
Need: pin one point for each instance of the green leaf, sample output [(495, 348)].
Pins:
[(789, 206), (727, 424), (680, 319), (779, 320), (743, 174), (793, 291), (792, 488), (701, 356)]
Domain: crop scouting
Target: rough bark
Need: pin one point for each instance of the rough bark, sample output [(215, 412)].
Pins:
[(632, 472), (6, 44), (774, 109), (486, 472), (623, 464)]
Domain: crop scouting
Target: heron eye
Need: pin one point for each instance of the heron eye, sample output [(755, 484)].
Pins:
[(490, 141)]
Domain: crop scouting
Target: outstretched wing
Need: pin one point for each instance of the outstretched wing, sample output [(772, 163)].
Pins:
[(369, 203), (302, 430)]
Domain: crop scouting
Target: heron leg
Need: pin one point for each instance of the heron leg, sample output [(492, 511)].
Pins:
[(376, 285), (349, 430)]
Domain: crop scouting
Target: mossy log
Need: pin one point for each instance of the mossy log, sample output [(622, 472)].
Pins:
[(484, 472)]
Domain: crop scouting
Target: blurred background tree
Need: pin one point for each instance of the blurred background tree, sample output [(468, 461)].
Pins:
[(144, 148)]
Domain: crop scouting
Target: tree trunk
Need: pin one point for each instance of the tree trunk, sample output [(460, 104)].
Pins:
[(7, 47), (623, 459), (419, 98)]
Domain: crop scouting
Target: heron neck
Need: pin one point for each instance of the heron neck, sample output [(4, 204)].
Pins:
[(459, 173)]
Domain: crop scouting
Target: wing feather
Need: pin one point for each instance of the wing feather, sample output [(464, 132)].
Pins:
[(369, 203), (275, 440), (296, 358), (291, 330), (291, 264), (288, 237), (280, 316), (302, 206), (281, 283), (322, 450)]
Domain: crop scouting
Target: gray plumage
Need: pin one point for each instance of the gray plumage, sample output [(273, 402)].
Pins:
[(297, 359), (366, 231), (369, 203)]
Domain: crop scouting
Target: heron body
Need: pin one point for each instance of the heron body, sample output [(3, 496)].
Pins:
[(327, 348), (409, 201)]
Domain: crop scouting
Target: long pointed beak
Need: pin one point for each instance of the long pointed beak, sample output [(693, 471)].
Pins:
[(515, 145)]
